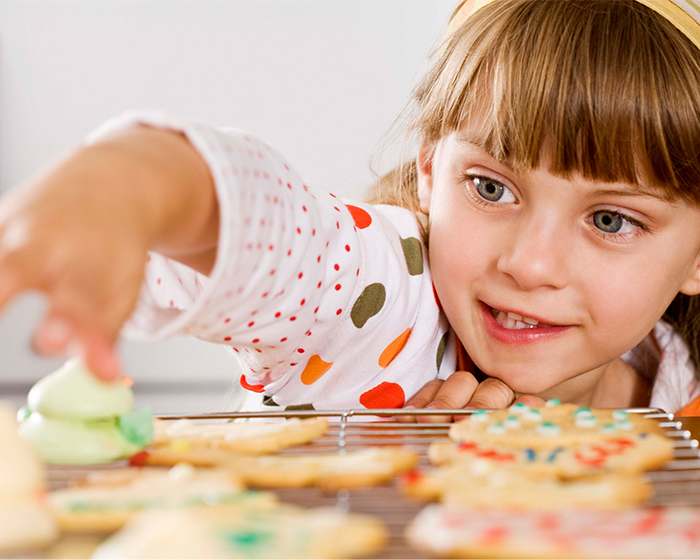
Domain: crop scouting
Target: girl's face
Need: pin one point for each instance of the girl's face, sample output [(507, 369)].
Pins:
[(544, 278)]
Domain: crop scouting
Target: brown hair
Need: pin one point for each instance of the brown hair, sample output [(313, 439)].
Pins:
[(605, 88)]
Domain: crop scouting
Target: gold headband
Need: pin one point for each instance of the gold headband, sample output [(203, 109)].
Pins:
[(683, 14)]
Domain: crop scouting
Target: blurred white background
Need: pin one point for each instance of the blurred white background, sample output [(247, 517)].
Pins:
[(320, 80)]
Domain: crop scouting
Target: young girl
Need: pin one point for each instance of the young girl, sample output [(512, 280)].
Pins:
[(550, 219)]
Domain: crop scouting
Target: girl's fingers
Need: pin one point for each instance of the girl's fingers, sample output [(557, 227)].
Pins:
[(421, 398), (492, 393), (455, 392), (99, 355)]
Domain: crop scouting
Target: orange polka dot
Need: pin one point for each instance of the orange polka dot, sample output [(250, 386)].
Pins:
[(314, 370), (361, 217), (254, 388), (391, 351), (384, 395)]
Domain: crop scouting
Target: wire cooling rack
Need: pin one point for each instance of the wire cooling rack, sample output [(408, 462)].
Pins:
[(677, 484)]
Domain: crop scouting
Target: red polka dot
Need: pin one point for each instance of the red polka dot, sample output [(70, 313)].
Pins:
[(319, 284), (227, 320), (289, 253), (384, 395), (308, 333), (336, 209), (256, 340), (361, 217), (271, 247), (172, 303), (283, 339), (293, 364), (298, 230), (254, 388), (336, 266), (339, 312), (337, 225), (227, 338), (303, 301), (251, 324), (301, 274), (358, 272), (337, 287), (313, 232), (316, 310), (258, 350), (272, 272), (292, 318), (347, 248), (332, 195), (158, 280), (303, 208), (254, 312), (235, 349), (289, 186), (266, 294), (277, 315), (318, 259), (300, 350)]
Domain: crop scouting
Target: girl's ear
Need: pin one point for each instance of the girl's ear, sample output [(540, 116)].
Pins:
[(424, 168), (691, 286)]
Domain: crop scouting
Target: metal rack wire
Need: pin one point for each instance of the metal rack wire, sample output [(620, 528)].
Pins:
[(677, 484)]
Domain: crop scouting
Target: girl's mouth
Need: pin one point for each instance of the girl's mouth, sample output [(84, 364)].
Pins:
[(510, 327)]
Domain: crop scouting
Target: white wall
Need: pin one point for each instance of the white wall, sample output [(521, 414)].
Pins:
[(321, 80)]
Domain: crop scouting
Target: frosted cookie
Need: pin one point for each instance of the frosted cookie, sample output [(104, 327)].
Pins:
[(633, 452), (455, 532), (484, 485), (72, 417), (250, 438), (25, 519), (549, 427), (107, 500), (285, 532)]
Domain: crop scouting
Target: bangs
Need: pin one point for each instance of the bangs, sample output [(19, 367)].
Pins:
[(607, 89)]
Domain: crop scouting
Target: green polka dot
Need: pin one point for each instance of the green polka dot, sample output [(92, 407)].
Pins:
[(413, 253), (269, 401), (441, 350), (369, 303), (307, 406)]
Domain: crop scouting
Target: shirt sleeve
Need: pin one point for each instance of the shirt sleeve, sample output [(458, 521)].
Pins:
[(296, 279)]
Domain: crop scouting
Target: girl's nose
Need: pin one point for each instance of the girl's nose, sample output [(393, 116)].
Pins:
[(537, 255)]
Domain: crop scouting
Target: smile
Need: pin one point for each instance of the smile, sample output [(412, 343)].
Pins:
[(510, 327)]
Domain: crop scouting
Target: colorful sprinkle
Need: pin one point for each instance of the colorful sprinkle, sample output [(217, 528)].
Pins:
[(530, 455), (554, 453)]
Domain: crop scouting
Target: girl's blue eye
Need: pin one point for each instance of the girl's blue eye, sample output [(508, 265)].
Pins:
[(609, 222), (491, 190)]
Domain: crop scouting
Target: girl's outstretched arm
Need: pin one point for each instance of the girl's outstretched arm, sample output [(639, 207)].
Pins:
[(80, 231)]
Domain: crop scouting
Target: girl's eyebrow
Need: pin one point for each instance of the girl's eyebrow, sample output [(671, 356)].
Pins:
[(632, 191)]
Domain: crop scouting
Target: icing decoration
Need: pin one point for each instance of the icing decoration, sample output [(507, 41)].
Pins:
[(582, 412), (586, 421), (552, 402), (72, 417), (496, 428), (608, 428), (247, 539), (511, 422), (620, 415), (532, 415), (480, 416), (518, 408), (548, 429), (624, 425)]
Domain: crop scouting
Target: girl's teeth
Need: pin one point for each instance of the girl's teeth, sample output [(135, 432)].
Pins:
[(513, 321)]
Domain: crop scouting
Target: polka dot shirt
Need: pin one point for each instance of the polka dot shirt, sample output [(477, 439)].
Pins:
[(326, 303)]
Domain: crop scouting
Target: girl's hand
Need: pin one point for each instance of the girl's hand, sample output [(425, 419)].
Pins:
[(461, 390), (80, 234)]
